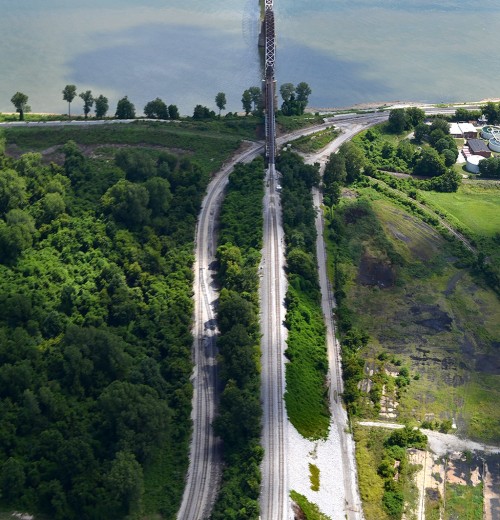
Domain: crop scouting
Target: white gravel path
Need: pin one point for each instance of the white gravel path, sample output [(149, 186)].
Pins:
[(325, 454)]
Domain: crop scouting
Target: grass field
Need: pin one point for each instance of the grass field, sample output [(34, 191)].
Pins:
[(463, 502), (210, 143), (316, 141), (475, 205), (435, 317)]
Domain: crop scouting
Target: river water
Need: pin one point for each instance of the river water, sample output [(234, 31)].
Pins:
[(185, 51)]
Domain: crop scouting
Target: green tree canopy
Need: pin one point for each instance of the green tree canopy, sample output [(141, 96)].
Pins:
[(20, 101), (173, 112), (303, 92), (69, 93), (429, 164), (287, 90), (354, 160), (246, 100), (202, 112), (220, 101), (137, 165), (88, 101), (398, 121), (492, 112), (128, 203), (156, 109), (125, 109), (12, 191), (101, 106)]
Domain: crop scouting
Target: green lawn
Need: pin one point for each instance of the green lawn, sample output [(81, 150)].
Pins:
[(474, 205)]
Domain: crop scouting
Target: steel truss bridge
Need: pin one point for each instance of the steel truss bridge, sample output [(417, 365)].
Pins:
[(269, 82)]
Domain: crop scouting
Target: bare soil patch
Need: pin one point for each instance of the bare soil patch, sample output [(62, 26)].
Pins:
[(373, 271)]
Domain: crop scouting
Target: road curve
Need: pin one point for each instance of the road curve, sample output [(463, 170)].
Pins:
[(205, 449)]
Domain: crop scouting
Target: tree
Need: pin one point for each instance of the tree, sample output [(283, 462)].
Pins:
[(160, 196), (397, 120), (128, 203), (173, 112), (156, 109), (125, 109), (421, 130), (137, 165), (69, 94), (12, 190), (490, 168), (429, 164), (287, 90), (12, 479), (303, 92), (201, 112), (441, 124), (125, 482), (20, 101), (246, 100), (101, 106), (50, 206), (354, 160), (415, 116), (220, 101), (256, 94), (492, 112), (88, 101)]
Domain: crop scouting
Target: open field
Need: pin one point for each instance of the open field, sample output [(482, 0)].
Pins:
[(476, 206), (415, 303), (208, 142), (314, 142)]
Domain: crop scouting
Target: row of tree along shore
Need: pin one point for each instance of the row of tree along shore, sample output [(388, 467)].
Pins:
[(295, 100)]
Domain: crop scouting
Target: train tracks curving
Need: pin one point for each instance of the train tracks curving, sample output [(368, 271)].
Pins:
[(205, 449)]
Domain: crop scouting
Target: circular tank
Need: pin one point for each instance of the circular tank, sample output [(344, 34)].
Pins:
[(494, 143), (472, 164), (487, 132)]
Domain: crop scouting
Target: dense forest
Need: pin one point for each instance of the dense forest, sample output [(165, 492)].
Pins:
[(95, 342)]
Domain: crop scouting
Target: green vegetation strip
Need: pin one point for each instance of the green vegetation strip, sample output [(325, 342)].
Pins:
[(95, 341), (306, 390), (385, 475), (314, 142), (209, 143), (309, 510), (314, 477), (239, 420)]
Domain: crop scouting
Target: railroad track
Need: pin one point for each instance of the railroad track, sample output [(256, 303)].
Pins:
[(205, 450), (274, 496)]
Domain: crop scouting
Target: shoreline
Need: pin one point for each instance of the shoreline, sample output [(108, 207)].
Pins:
[(385, 105)]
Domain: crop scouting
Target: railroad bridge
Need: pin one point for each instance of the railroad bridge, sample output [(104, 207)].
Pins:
[(269, 81)]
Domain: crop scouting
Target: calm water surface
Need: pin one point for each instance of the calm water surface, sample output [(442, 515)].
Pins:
[(185, 51)]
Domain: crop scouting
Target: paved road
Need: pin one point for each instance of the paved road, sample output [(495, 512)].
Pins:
[(205, 453), (274, 490)]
